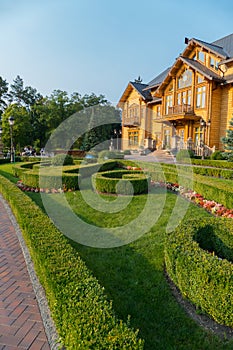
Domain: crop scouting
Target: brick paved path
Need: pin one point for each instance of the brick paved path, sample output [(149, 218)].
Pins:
[(21, 326)]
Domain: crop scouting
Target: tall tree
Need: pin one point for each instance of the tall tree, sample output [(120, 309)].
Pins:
[(22, 129), (17, 90), (3, 94)]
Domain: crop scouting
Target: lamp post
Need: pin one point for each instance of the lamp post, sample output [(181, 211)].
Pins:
[(1, 145), (117, 133), (204, 125), (11, 122)]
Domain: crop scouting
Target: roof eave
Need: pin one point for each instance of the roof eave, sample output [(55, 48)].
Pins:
[(193, 40)]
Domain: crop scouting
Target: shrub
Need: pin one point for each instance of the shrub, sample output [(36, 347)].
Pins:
[(197, 257), (122, 182), (127, 152), (61, 159), (83, 316), (104, 155), (217, 155), (184, 154)]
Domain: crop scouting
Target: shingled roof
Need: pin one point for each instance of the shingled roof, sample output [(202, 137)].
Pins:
[(141, 89), (208, 73), (157, 80), (226, 43), (217, 49)]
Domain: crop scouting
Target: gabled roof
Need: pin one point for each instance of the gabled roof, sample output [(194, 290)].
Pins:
[(141, 90), (157, 80), (217, 49), (200, 68), (197, 66), (139, 87)]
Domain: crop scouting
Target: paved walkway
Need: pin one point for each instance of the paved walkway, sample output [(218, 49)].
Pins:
[(156, 156), (21, 325)]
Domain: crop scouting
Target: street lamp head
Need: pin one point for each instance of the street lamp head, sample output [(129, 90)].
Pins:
[(11, 120), (202, 123)]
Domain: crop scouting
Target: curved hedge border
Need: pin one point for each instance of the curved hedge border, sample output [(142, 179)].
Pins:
[(121, 182), (83, 316), (204, 277)]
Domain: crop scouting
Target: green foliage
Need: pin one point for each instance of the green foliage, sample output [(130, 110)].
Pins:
[(228, 142), (83, 316), (213, 163), (125, 182), (105, 154), (62, 159), (183, 155), (217, 155), (196, 256)]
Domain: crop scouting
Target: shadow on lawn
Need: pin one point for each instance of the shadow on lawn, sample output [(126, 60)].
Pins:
[(133, 277)]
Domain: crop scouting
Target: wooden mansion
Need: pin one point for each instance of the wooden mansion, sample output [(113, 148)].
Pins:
[(189, 105)]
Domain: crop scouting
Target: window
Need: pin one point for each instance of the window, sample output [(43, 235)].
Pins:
[(168, 103), (213, 63), (185, 79), (158, 111), (201, 97), (133, 111), (133, 138), (200, 79), (201, 56), (184, 97)]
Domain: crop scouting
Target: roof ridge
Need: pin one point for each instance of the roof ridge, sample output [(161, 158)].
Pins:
[(206, 42)]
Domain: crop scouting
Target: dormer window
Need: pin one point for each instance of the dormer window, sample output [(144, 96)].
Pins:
[(213, 63), (201, 56)]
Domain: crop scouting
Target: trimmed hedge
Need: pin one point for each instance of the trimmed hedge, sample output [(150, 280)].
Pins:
[(122, 182), (198, 257), (213, 163), (19, 169), (83, 316), (50, 181), (221, 191)]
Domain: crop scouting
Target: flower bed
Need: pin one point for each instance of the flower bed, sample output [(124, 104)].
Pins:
[(211, 206)]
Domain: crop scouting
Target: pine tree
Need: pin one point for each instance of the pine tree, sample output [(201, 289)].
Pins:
[(228, 142)]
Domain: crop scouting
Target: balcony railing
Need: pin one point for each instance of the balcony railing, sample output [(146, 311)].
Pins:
[(180, 109), (131, 121)]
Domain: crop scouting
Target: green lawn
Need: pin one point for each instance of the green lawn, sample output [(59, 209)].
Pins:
[(133, 275)]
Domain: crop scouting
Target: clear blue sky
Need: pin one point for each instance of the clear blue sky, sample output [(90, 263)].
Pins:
[(99, 45)]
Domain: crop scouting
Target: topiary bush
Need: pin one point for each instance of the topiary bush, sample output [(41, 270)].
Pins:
[(124, 182), (62, 159), (198, 257)]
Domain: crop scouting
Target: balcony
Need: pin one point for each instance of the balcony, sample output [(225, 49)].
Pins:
[(131, 121), (180, 109)]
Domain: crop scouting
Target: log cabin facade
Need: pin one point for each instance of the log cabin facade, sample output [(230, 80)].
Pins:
[(189, 105)]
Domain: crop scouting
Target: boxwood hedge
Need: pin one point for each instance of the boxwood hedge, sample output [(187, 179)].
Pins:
[(198, 257), (122, 182), (84, 318)]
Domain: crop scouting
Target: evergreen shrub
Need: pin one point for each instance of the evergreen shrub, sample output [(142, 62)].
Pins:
[(83, 316), (122, 182), (198, 257)]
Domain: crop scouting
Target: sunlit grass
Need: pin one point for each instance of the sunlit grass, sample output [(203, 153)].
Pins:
[(133, 275)]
